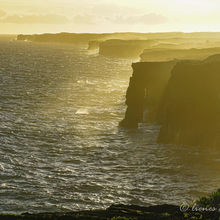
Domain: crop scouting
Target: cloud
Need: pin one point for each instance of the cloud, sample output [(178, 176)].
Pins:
[(83, 19), (147, 19), (2, 13), (111, 9), (35, 19)]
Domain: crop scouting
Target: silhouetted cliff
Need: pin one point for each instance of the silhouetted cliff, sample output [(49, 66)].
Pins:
[(181, 96), (190, 108), (145, 89)]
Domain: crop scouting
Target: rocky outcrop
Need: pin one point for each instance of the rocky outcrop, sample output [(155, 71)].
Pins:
[(86, 37), (114, 212), (124, 48), (146, 87), (163, 54), (190, 108), (125, 212), (205, 208)]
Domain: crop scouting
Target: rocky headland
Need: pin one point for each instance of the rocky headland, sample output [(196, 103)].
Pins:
[(180, 96), (189, 112)]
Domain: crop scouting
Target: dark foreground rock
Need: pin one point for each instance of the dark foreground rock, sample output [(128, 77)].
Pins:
[(206, 208), (121, 212)]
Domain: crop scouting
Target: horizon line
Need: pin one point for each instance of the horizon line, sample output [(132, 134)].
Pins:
[(159, 32)]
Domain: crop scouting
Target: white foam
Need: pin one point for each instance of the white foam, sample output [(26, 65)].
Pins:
[(18, 120), (82, 111), (3, 185), (1, 167)]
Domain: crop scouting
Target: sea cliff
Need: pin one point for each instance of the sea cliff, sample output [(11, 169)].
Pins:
[(180, 96), (145, 90), (190, 108)]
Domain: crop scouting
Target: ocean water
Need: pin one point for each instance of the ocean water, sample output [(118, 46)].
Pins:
[(60, 145)]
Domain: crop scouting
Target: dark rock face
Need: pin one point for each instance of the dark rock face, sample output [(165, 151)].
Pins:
[(190, 109), (145, 90)]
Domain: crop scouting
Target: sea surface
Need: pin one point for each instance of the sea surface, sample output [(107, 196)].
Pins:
[(60, 145)]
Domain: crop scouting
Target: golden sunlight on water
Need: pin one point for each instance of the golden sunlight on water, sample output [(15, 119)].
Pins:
[(61, 147)]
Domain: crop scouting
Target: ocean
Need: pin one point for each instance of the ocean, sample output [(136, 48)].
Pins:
[(60, 145)]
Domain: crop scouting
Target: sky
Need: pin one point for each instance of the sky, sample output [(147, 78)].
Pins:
[(98, 16)]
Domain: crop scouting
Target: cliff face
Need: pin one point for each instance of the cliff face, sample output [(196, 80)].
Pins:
[(181, 96), (124, 48), (157, 54), (190, 108), (145, 89)]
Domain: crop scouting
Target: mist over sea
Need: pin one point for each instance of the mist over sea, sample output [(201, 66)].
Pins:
[(60, 145)]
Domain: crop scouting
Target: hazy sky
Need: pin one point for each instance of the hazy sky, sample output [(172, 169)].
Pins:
[(38, 16)]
